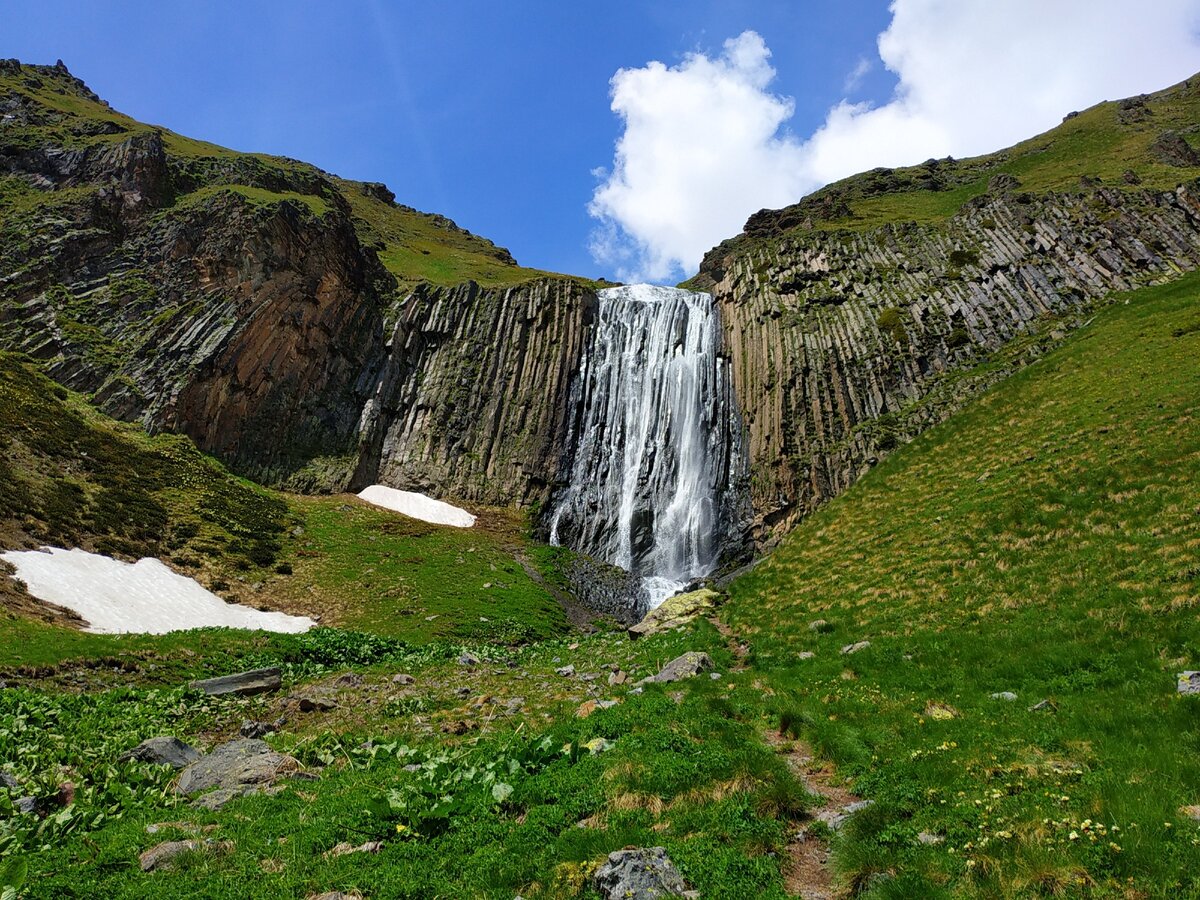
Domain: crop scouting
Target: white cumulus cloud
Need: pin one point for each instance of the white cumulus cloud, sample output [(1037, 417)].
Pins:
[(705, 142)]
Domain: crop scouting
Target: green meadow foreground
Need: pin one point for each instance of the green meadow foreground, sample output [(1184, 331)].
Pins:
[(1045, 543)]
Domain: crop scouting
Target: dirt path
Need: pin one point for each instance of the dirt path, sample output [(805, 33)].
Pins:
[(807, 872)]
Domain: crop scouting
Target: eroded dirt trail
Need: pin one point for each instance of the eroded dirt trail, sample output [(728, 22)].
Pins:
[(807, 869)]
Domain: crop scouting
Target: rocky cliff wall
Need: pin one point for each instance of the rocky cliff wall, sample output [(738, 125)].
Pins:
[(473, 399), (846, 343), (245, 323)]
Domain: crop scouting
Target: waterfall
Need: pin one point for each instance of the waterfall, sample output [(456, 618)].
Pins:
[(656, 440)]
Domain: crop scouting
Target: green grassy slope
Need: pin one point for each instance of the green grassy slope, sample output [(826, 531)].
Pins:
[(413, 245), (1046, 541), (70, 476)]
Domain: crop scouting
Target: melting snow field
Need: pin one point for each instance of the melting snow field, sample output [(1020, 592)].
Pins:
[(144, 597), (417, 506)]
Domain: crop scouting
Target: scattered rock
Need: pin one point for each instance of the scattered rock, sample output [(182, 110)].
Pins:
[(349, 679), (462, 693), (617, 677), (403, 678), (1042, 704), (565, 671), (514, 705), (315, 703), (855, 647), (1172, 149), (805, 654), (928, 838), (1007, 696), (686, 666), (836, 818), (243, 684), (27, 806), (236, 766), (163, 855), (252, 729), (334, 895), (675, 612), (469, 660), (645, 873), (9, 781), (163, 751), (819, 625), (345, 848), (715, 676), (1188, 683), (1003, 183)]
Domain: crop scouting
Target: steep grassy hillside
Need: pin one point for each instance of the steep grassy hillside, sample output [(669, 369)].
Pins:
[(1141, 141), (1044, 542)]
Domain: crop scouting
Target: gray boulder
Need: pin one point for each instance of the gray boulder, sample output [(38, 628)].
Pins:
[(646, 873), (1188, 683), (163, 751), (243, 684), (236, 765), (686, 666)]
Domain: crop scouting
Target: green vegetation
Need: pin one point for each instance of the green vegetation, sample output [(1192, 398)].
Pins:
[(517, 805), (419, 581), (1041, 542)]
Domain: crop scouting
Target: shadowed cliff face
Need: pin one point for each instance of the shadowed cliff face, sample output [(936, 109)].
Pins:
[(846, 343)]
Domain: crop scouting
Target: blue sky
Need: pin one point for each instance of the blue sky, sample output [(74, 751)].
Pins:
[(498, 114)]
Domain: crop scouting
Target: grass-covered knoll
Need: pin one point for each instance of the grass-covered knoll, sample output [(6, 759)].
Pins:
[(60, 111), (1042, 542), (369, 569)]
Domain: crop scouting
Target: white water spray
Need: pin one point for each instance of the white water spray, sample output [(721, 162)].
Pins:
[(656, 439)]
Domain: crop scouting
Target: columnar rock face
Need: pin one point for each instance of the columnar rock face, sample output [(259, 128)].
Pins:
[(843, 342), (472, 398)]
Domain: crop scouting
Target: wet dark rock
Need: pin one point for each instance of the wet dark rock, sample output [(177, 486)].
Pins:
[(607, 589)]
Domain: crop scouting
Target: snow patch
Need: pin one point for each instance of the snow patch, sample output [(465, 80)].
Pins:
[(144, 597), (417, 506)]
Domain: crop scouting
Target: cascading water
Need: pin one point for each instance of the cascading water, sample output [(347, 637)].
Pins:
[(656, 440)]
